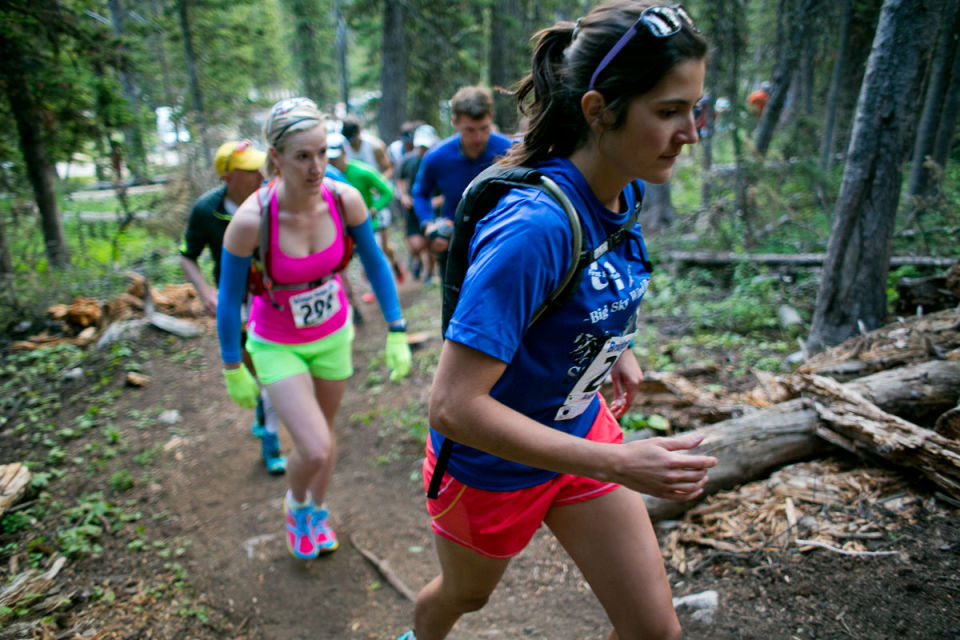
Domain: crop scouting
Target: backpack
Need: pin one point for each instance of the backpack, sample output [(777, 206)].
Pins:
[(259, 280), (481, 195)]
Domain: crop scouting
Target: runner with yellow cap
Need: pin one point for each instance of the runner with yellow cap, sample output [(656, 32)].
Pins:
[(239, 165)]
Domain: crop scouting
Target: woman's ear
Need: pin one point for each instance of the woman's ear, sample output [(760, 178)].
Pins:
[(594, 108)]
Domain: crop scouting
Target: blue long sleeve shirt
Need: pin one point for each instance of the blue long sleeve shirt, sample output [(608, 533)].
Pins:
[(446, 169)]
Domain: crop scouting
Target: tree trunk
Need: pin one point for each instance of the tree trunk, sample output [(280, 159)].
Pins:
[(39, 169), (136, 156), (853, 288), (183, 15), (752, 446), (393, 74), (341, 46), (795, 17), (921, 185), (504, 39), (658, 212), (6, 263), (951, 106), (830, 118)]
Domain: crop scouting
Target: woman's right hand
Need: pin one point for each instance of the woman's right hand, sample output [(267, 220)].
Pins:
[(661, 467)]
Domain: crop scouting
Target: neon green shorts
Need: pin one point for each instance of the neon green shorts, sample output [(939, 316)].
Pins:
[(329, 358)]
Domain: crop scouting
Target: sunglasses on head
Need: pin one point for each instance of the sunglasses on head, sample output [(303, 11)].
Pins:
[(660, 21), (242, 146)]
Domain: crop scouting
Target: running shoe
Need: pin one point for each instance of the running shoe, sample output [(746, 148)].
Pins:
[(408, 636), (272, 457), (299, 531), (323, 536)]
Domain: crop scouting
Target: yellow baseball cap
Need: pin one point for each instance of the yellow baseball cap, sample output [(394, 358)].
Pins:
[(238, 154)]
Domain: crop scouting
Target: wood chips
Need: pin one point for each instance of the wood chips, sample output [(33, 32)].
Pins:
[(847, 509)]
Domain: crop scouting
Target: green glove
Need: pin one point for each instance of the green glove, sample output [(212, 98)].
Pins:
[(398, 355), (241, 386)]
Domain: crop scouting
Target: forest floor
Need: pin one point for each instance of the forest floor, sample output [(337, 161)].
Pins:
[(205, 557)]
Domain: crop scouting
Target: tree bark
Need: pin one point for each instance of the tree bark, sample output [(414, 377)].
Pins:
[(658, 212), (921, 184), (132, 135), (752, 446), (830, 118), (6, 263), (853, 289), (39, 169), (792, 30), (504, 53)]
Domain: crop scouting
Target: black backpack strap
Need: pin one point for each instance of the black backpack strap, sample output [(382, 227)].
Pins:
[(443, 456), (563, 294), (480, 196)]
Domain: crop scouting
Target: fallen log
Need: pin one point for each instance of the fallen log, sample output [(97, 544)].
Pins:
[(723, 258), (920, 393), (913, 339), (859, 426), (751, 446)]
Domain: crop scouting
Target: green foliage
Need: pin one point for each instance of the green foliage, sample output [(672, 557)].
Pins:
[(86, 522), (635, 421)]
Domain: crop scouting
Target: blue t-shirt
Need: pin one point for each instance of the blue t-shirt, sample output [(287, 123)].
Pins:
[(518, 254), (445, 167)]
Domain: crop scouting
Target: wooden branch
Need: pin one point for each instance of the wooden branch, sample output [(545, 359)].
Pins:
[(14, 481), (723, 258), (384, 568), (830, 547)]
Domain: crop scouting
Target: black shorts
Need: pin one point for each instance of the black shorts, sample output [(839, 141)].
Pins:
[(413, 223)]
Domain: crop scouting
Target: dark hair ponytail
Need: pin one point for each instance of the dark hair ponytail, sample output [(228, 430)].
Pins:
[(566, 56), (552, 117)]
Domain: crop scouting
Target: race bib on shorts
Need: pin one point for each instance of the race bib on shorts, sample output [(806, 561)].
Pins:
[(592, 379), (316, 306)]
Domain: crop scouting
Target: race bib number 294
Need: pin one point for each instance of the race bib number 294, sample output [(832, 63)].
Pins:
[(314, 307)]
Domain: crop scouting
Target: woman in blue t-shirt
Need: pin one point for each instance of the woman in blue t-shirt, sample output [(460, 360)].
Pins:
[(610, 100)]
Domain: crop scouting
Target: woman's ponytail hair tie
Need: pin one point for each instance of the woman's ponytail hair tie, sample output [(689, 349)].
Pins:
[(576, 29)]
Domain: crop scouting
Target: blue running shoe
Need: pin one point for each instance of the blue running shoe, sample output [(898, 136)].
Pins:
[(272, 457), (323, 535), (299, 532), (408, 636)]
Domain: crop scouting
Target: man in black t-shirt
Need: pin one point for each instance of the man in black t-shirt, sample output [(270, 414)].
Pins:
[(239, 166)]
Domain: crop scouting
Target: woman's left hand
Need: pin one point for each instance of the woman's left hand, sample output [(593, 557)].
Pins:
[(398, 356), (626, 377)]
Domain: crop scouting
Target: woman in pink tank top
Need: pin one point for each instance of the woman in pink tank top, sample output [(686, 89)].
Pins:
[(300, 332)]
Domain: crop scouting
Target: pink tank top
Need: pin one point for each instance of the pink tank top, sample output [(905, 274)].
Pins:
[(303, 314)]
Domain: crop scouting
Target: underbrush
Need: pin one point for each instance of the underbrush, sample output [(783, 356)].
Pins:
[(59, 418), (723, 319)]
